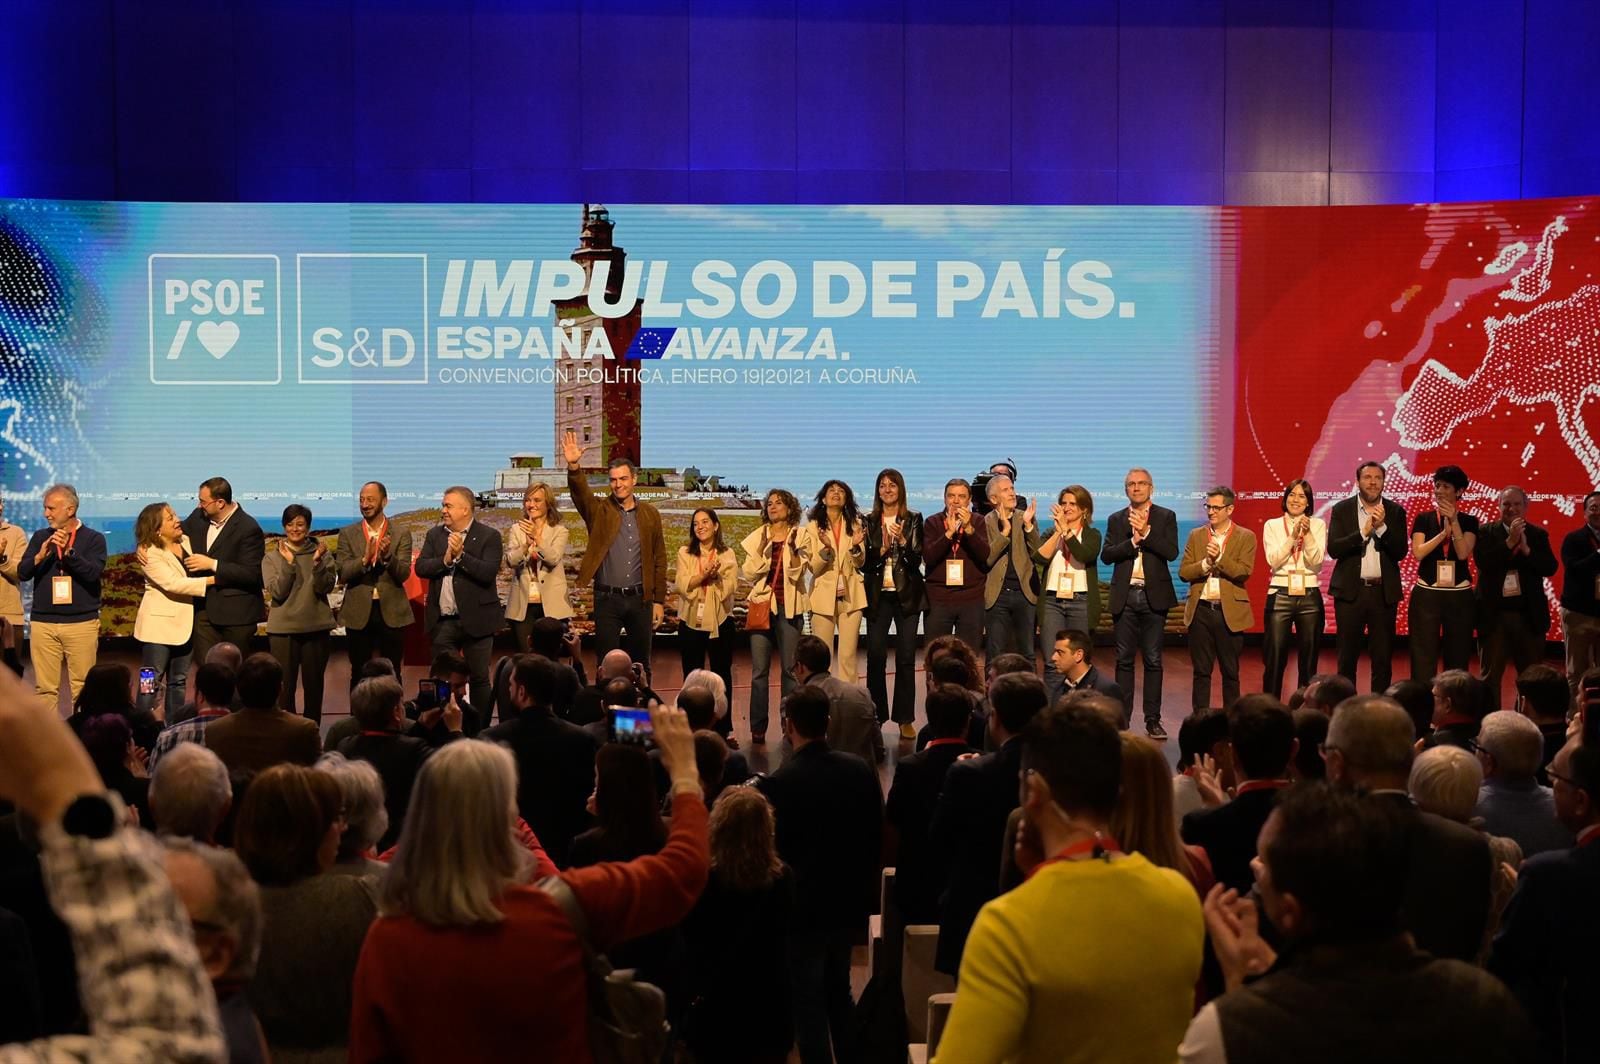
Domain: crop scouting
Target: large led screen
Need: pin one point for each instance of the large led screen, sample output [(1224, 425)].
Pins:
[(300, 350)]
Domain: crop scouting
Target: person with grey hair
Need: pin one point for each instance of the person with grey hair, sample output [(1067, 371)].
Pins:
[(366, 819), (1445, 781), (224, 907), (379, 704), (710, 681), (1370, 747), (1511, 801), (64, 562), (1514, 560), (471, 958), (190, 793), (1011, 584)]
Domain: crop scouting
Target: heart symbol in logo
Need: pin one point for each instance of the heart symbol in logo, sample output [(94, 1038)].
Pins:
[(218, 337)]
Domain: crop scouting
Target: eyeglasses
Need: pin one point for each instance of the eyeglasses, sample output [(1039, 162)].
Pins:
[(1558, 777), (1210, 509)]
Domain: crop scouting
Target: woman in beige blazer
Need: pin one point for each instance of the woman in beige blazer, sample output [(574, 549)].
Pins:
[(535, 549), (834, 546), (706, 579), (165, 622), (773, 563)]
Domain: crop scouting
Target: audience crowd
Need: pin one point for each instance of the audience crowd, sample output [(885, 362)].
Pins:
[(499, 869)]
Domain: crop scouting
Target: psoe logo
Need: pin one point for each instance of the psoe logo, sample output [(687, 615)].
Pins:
[(215, 319), (362, 317)]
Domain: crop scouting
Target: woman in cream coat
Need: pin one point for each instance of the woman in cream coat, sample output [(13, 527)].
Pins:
[(165, 623), (706, 578), (535, 549), (773, 563), (834, 546)]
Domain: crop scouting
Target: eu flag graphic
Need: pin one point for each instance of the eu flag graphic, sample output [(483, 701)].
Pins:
[(649, 343)]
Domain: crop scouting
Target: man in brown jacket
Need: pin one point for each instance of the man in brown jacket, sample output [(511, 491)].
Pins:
[(626, 557), (1217, 561), (260, 735)]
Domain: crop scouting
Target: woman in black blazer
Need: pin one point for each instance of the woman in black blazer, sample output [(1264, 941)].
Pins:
[(894, 597)]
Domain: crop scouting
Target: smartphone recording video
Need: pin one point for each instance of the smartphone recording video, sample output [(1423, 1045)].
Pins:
[(625, 724)]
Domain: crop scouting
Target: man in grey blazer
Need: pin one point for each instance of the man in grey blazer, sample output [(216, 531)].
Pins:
[(374, 561), (1011, 588), (853, 725)]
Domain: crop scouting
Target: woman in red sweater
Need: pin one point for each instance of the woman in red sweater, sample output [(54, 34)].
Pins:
[(468, 960)]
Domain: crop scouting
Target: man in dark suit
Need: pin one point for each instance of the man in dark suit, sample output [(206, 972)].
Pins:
[(1261, 733), (829, 811), (1549, 937), (1367, 539), (379, 704), (227, 543), (374, 562), (1071, 658), (555, 759), (1514, 558), (1369, 746), (460, 559), (969, 823), (1141, 541), (259, 735), (918, 778)]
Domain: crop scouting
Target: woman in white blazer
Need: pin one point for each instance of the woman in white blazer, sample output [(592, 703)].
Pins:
[(165, 622), (834, 546), (535, 549), (773, 563), (707, 577), (1295, 544)]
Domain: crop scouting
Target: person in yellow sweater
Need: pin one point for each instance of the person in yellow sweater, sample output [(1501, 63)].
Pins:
[(1094, 957)]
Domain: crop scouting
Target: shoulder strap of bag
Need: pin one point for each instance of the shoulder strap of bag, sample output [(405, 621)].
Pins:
[(567, 902)]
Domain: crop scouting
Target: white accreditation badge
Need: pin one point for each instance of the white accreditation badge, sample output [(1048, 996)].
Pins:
[(1512, 585), (1213, 588), (1446, 576), (1297, 583), (955, 572), (61, 590)]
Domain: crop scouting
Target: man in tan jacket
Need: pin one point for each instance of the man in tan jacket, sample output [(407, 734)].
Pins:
[(626, 557), (1217, 561)]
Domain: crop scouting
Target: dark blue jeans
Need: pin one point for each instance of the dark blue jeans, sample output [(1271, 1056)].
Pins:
[(1062, 615), (1010, 624), (785, 636), (1138, 630)]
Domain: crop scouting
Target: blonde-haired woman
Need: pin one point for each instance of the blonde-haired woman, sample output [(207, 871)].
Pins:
[(164, 625), (741, 1006), (773, 562), (706, 579), (834, 545), (535, 549), (471, 958)]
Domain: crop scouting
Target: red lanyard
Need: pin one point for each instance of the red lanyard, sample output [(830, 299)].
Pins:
[(1442, 528), (1294, 552), (70, 541), (838, 534), (1102, 846), (1260, 785), (945, 742), (373, 537), (1224, 544)]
